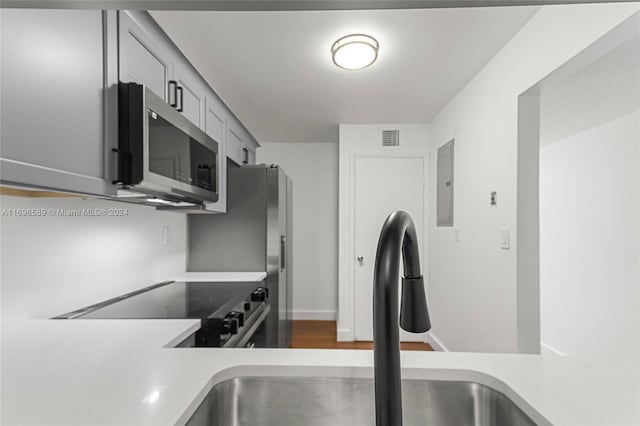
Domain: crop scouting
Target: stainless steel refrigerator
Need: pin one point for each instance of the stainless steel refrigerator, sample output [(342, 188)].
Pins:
[(254, 235)]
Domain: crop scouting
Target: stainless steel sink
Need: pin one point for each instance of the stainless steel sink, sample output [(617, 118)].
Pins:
[(304, 401)]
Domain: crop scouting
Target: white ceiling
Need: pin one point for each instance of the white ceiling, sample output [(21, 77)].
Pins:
[(274, 69)]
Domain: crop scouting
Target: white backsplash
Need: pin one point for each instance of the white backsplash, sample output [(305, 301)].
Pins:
[(61, 261)]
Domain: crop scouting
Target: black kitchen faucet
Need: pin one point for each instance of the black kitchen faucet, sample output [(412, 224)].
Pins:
[(397, 239)]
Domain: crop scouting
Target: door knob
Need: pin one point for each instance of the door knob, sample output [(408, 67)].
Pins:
[(360, 258)]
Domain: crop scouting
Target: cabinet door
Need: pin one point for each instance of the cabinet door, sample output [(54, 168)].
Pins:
[(215, 123), (251, 146), (191, 93), (235, 142), (251, 157), (53, 98), (143, 59), (215, 118)]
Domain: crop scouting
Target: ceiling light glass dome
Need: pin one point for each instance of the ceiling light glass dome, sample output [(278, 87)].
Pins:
[(355, 51)]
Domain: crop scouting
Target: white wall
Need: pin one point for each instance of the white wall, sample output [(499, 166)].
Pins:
[(589, 282), (364, 140), (313, 168), (53, 264), (473, 282), (590, 208)]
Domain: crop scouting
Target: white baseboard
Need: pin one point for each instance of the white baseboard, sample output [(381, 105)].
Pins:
[(345, 335), (435, 343), (314, 315), (546, 350)]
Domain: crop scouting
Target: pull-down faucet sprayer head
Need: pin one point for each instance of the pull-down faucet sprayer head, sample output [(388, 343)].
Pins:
[(414, 316)]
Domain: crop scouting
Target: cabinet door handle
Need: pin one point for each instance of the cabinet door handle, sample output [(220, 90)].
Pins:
[(245, 156), (283, 252), (173, 94), (181, 99)]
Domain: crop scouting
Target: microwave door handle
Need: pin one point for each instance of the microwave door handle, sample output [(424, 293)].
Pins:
[(179, 109), (173, 93)]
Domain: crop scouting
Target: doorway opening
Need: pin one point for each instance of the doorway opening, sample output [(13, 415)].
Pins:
[(581, 124)]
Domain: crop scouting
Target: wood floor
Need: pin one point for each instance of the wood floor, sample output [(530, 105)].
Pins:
[(322, 335)]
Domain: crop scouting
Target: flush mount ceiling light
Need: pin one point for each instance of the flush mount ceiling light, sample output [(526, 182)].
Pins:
[(355, 51)]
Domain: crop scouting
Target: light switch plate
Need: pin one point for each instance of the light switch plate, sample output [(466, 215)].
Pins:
[(505, 236), (166, 236)]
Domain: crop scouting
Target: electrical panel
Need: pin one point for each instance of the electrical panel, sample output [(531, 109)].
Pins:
[(444, 190)]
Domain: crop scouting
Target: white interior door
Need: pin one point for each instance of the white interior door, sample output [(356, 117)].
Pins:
[(382, 185)]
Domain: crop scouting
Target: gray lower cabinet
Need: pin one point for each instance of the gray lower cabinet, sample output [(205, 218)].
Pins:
[(54, 101)]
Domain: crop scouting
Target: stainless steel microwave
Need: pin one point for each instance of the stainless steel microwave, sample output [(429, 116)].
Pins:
[(160, 152)]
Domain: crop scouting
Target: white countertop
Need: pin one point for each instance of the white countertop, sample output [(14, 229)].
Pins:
[(219, 276), (119, 372)]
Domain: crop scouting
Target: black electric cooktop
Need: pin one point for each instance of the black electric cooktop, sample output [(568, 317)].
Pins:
[(176, 300)]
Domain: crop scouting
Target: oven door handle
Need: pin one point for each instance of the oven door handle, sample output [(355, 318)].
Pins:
[(250, 326)]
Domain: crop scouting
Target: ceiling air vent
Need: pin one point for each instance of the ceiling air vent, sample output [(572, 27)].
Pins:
[(390, 138)]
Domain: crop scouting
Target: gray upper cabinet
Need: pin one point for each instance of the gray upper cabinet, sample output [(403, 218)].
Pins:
[(216, 118), (250, 146), (54, 101), (191, 93), (149, 57), (235, 142), (241, 147), (59, 106), (251, 157), (143, 57)]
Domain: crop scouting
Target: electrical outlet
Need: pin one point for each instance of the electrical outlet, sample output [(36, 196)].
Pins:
[(166, 236)]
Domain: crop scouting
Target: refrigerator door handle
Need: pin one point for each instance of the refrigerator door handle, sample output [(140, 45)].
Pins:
[(283, 252)]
